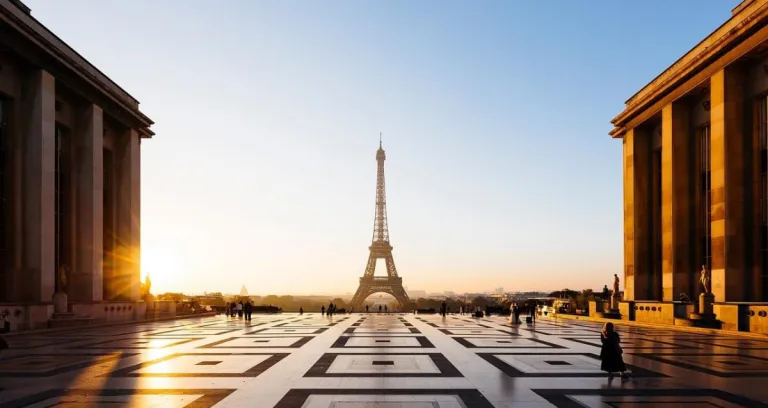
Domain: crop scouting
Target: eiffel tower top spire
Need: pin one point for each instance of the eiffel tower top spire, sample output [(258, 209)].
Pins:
[(380, 228)]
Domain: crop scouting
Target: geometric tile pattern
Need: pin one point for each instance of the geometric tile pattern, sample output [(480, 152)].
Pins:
[(46, 365), (373, 360), (659, 398), (260, 342), (203, 398), (405, 398), (382, 365), (559, 365), (386, 342), (203, 365), (720, 365)]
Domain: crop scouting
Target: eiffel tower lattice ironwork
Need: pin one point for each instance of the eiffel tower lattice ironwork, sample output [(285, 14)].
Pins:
[(380, 249)]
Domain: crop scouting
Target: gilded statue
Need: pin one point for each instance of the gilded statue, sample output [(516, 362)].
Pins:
[(615, 284), (705, 279)]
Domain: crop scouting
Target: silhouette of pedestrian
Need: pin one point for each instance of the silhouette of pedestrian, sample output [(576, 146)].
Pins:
[(611, 353)]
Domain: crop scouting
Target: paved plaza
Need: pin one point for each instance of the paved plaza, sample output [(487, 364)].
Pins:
[(403, 361)]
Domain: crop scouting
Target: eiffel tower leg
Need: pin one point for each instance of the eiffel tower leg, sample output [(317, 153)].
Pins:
[(391, 270), (370, 268), (360, 295), (402, 297)]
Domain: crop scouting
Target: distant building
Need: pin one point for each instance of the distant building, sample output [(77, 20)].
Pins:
[(244, 291), (499, 297), (415, 294)]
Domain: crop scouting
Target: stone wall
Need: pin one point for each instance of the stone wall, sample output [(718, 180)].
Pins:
[(758, 318), (654, 312)]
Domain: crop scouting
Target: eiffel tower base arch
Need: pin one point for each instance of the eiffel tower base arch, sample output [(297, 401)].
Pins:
[(390, 285)]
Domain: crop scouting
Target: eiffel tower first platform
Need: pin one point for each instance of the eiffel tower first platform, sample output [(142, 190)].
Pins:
[(380, 249)]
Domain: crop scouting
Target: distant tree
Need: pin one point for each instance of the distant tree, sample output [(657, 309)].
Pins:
[(271, 300), (176, 297), (565, 294), (424, 303), (339, 303), (481, 301)]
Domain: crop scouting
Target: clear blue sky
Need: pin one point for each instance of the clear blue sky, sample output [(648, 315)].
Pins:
[(495, 117)]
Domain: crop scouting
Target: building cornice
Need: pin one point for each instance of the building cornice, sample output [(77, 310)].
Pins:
[(712, 48), (48, 42)]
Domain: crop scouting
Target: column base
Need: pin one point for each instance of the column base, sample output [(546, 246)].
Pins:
[(60, 303), (703, 320)]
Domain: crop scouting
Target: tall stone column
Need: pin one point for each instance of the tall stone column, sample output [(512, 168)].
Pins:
[(37, 282), (637, 225), (729, 251), (676, 201), (127, 258), (18, 125), (86, 280)]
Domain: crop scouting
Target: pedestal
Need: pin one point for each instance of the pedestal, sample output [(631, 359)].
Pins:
[(149, 299), (60, 303), (705, 303), (705, 317), (615, 298)]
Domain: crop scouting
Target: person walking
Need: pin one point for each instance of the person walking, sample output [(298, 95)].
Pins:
[(301, 310), (533, 313), (322, 310), (611, 352), (248, 310), (240, 310)]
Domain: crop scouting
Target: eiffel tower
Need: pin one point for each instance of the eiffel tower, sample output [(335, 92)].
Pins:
[(380, 248)]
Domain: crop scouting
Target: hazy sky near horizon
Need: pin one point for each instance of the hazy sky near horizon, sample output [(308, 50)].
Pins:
[(495, 117)]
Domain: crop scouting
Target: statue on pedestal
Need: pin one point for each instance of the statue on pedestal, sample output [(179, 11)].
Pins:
[(146, 293), (60, 295), (61, 279), (705, 279), (147, 285), (615, 284)]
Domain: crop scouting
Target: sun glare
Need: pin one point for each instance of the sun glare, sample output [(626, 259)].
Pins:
[(162, 265)]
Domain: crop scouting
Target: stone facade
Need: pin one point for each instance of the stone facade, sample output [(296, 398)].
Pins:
[(69, 178), (697, 194)]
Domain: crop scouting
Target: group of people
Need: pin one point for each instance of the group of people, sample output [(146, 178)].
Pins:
[(240, 309), (514, 316), (330, 311)]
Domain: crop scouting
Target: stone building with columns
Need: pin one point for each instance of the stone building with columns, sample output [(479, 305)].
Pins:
[(70, 154), (695, 148)]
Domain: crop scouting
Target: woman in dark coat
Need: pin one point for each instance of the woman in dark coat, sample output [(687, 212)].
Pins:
[(611, 352)]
